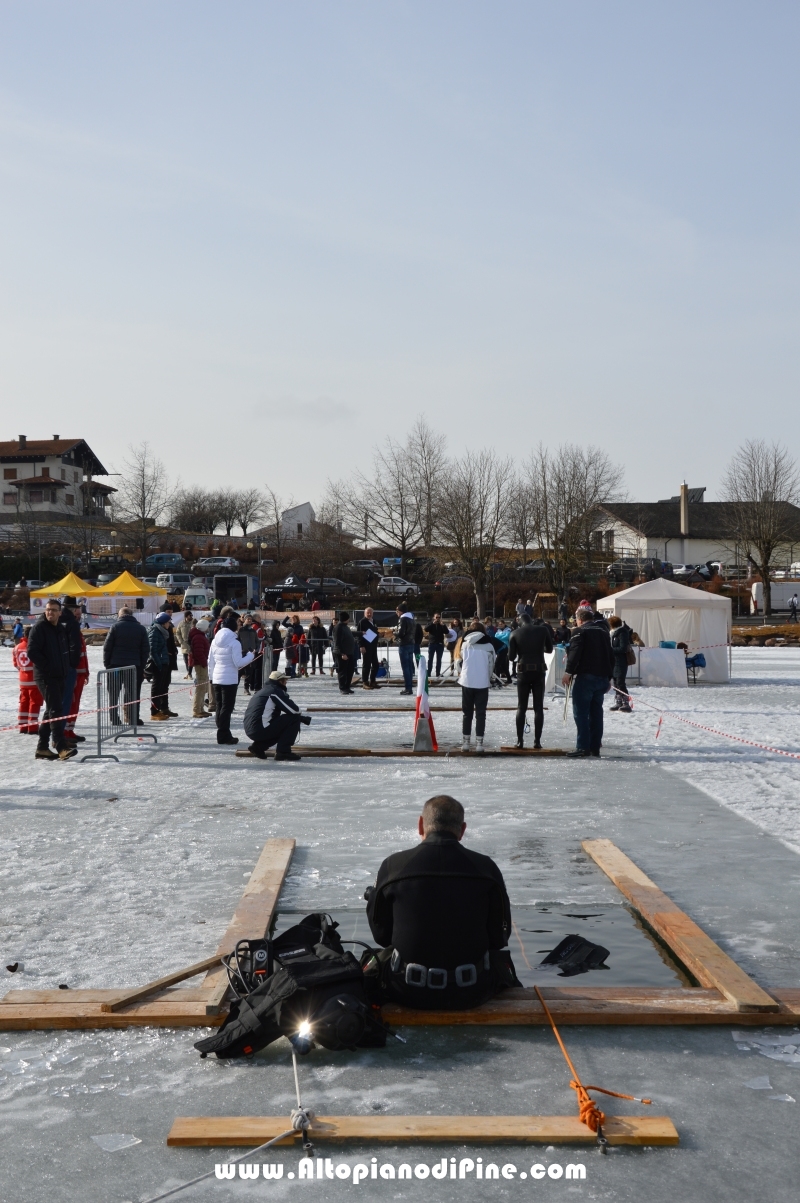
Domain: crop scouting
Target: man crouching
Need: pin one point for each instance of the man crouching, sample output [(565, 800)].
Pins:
[(443, 913), (272, 718)]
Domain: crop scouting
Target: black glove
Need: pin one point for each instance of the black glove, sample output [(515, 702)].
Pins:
[(370, 890), (305, 719)]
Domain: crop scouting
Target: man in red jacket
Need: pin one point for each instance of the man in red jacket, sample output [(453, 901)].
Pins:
[(30, 699), (198, 658)]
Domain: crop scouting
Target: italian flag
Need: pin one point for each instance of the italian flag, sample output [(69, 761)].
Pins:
[(424, 734)]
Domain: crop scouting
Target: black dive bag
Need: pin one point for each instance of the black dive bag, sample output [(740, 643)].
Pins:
[(312, 979)]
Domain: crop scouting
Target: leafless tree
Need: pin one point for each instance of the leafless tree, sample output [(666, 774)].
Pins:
[(567, 488), (144, 496), (195, 510), (228, 507), (521, 515), (249, 508), (273, 507), (473, 515), (427, 462), (386, 506), (762, 486)]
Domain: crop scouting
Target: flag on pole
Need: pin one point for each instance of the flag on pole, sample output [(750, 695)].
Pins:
[(424, 734)]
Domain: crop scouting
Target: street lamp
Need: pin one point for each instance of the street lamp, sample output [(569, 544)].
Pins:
[(113, 534)]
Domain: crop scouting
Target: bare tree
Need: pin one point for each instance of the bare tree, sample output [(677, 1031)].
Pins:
[(473, 515), (762, 486), (249, 508), (521, 515), (144, 496), (273, 507), (385, 507), (427, 460), (567, 488), (228, 508), (195, 510)]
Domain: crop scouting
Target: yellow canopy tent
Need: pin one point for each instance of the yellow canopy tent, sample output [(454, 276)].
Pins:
[(127, 585), (69, 586)]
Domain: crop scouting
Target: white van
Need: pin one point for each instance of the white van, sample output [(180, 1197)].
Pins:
[(174, 582), (198, 598)]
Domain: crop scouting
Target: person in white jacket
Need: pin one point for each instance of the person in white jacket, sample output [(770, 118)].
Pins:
[(225, 659), (475, 677)]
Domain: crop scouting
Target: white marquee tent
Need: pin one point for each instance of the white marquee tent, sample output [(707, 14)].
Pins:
[(662, 609)]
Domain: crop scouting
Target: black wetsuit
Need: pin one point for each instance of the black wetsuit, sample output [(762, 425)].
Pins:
[(441, 906)]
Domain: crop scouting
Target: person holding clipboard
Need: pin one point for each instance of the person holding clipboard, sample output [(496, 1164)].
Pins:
[(368, 642)]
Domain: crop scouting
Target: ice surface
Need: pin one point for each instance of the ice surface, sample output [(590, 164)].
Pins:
[(116, 873), (759, 1084)]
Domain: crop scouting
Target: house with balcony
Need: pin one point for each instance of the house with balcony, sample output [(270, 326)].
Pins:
[(52, 480)]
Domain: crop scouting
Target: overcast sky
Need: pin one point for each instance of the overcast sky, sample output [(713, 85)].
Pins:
[(265, 235)]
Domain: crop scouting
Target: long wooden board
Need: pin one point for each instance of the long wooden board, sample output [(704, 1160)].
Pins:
[(40, 1010), (128, 997), (190, 1131), (254, 912), (704, 959), (313, 753)]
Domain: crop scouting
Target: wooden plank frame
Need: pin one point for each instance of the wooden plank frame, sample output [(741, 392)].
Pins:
[(726, 994), (205, 1132)]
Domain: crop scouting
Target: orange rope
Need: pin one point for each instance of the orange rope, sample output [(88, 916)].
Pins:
[(588, 1111)]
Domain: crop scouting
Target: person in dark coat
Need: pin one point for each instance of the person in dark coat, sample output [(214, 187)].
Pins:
[(318, 640), (528, 646), (273, 718), (73, 629), (276, 643), (437, 636), (161, 668), (442, 913), (589, 669), (622, 640), (49, 653), (126, 644), (368, 642), (405, 634), (344, 646)]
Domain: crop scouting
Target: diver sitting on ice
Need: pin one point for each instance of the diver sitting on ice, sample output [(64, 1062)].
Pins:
[(442, 912)]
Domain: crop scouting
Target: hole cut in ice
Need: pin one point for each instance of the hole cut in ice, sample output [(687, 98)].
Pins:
[(635, 957)]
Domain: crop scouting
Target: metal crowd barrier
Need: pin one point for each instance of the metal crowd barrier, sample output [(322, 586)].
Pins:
[(117, 710)]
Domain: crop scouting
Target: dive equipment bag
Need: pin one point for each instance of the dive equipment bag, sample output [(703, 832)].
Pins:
[(304, 976)]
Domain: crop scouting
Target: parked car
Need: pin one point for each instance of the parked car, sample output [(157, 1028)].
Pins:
[(454, 581), (148, 580), (331, 584), (164, 561), (105, 578), (211, 565), (396, 586), (365, 566), (533, 566), (174, 582), (32, 585), (683, 571)]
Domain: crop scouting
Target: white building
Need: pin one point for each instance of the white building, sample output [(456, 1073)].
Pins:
[(52, 479), (296, 522)]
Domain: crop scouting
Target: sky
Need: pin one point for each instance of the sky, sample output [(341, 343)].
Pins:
[(264, 237)]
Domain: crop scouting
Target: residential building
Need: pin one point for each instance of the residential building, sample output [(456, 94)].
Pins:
[(296, 522), (52, 479)]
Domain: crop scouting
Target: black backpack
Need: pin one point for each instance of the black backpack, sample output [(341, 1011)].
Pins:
[(310, 978)]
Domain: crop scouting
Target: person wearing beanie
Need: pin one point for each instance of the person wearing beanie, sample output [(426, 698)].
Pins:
[(159, 669)]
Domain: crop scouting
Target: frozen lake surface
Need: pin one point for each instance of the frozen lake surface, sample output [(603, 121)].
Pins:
[(115, 873)]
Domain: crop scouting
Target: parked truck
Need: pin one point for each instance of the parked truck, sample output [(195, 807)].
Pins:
[(236, 587)]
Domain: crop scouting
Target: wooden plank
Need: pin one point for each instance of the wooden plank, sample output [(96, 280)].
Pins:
[(598, 1005), (313, 753), (235, 1131), (74, 1016), (138, 993), (704, 959), (253, 915), (18, 998)]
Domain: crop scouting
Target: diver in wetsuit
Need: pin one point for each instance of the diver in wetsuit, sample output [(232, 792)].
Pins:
[(442, 912)]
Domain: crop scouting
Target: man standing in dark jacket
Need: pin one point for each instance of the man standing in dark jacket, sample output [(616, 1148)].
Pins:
[(437, 634), (589, 669), (125, 645), (444, 911), (368, 642), (73, 629), (528, 645), (405, 634), (344, 647), (273, 718), (49, 653)]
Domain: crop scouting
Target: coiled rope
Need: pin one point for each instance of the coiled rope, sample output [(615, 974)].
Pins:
[(588, 1111)]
